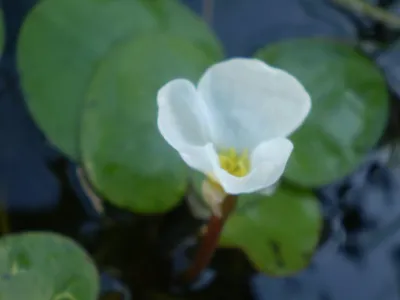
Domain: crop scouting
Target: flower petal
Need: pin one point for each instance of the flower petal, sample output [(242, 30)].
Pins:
[(180, 115), (197, 157), (182, 122), (251, 102), (268, 162)]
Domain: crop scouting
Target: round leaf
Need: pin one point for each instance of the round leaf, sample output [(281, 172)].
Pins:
[(41, 265), (59, 44), (279, 233), (349, 107), (62, 40), (122, 150)]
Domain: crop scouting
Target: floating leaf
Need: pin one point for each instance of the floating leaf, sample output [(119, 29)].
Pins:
[(62, 40), (123, 152), (278, 233), (41, 265), (350, 107)]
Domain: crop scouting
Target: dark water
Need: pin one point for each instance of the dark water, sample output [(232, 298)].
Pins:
[(360, 254)]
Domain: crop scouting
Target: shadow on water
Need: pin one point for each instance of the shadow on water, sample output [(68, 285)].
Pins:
[(359, 257)]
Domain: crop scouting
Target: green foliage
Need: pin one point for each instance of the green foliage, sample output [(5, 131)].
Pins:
[(42, 265), (62, 41), (65, 50), (349, 112), (90, 71), (123, 152), (279, 233)]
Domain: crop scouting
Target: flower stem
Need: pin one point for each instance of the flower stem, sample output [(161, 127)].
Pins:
[(371, 11), (208, 7), (210, 240)]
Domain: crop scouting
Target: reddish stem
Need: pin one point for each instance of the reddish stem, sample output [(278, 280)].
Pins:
[(208, 7), (210, 240)]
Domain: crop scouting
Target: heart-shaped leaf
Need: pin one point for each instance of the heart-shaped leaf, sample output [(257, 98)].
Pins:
[(279, 233), (61, 42), (349, 107), (123, 152), (40, 265)]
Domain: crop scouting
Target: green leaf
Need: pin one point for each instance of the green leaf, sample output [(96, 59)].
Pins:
[(278, 233), (175, 18), (40, 265), (124, 154), (349, 112), (61, 42)]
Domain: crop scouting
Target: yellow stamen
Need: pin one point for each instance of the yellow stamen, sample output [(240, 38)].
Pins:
[(237, 165), (230, 161)]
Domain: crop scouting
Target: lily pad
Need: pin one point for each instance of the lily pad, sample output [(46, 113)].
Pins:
[(349, 112), (61, 42), (279, 234), (124, 154), (40, 265)]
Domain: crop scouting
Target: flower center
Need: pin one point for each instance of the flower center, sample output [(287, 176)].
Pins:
[(237, 165)]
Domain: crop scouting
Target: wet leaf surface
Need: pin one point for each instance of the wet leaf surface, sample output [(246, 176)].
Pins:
[(51, 54), (121, 104), (61, 41), (45, 266), (349, 107), (278, 233)]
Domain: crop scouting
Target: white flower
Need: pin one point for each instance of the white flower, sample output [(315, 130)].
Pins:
[(233, 126)]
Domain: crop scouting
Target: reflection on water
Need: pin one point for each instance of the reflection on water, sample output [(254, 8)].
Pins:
[(360, 260)]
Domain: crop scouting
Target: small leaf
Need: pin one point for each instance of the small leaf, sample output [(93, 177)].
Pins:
[(61, 42), (42, 265), (123, 152), (349, 107), (279, 234)]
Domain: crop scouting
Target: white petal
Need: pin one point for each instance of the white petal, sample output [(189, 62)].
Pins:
[(251, 102), (180, 119), (197, 157), (268, 161)]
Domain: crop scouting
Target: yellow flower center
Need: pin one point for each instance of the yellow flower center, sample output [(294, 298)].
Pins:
[(237, 165), (230, 161)]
